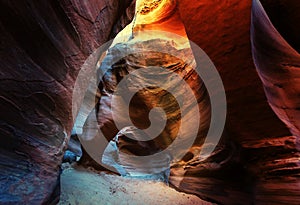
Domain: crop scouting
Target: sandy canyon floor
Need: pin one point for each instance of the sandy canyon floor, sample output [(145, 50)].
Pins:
[(86, 186)]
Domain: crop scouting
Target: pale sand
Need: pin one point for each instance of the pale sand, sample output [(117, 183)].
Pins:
[(81, 186)]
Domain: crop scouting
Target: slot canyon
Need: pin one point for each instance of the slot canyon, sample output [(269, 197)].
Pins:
[(150, 102)]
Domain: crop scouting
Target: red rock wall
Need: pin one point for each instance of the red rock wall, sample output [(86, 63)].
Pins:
[(43, 45), (267, 151)]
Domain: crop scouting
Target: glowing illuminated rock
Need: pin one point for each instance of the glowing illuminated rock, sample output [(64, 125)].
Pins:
[(155, 38)]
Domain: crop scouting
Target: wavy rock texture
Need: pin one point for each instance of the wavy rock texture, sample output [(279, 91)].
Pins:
[(43, 45), (225, 38), (151, 97), (275, 46), (170, 53), (276, 50), (263, 146), (224, 167)]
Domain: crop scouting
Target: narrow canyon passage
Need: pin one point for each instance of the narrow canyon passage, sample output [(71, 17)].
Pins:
[(94, 89)]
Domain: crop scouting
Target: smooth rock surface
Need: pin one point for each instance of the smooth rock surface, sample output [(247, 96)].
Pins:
[(43, 45), (277, 58), (222, 30)]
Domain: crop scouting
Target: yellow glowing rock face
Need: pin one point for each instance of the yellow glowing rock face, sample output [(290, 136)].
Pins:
[(148, 12), (159, 16)]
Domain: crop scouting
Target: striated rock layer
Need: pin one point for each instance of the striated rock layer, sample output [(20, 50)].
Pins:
[(260, 145), (275, 46), (170, 59), (43, 45), (277, 58), (152, 43)]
